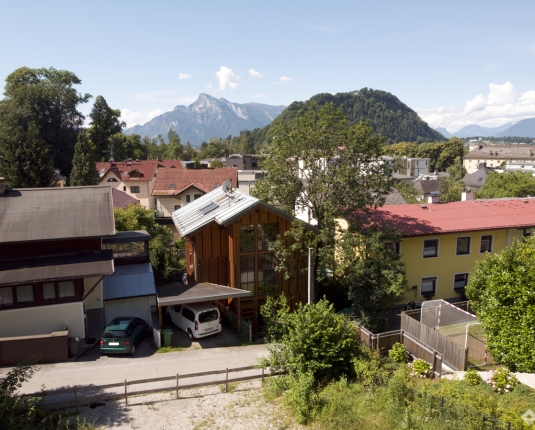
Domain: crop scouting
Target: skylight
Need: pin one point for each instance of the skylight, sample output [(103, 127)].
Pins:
[(171, 185)]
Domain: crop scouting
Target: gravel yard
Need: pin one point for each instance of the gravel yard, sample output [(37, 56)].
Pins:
[(201, 408)]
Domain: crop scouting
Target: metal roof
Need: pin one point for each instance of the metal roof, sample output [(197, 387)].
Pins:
[(128, 236), (33, 214), (56, 267), (133, 280), (230, 204), (175, 294)]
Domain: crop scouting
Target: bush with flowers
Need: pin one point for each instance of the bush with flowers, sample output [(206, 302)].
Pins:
[(502, 381), (472, 377), (420, 368)]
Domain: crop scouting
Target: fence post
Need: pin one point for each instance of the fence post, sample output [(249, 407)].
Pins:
[(177, 385), (434, 362), (465, 361), (262, 376), (377, 341), (125, 394), (226, 381), (76, 397)]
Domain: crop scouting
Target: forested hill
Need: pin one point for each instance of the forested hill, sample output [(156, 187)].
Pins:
[(384, 112)]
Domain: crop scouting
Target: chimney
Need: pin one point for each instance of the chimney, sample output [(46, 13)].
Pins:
[(467, 195), (479, 147), (434, 197)]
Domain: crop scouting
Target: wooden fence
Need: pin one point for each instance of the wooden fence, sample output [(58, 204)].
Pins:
[(453, 354), (76, 397)]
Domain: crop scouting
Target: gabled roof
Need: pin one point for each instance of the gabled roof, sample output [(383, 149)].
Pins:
[(172, 182), (223, 205), (37, 214), (122, 200), (141, 170), (478, 178), (501, 153), (427, 186), (476, 215)]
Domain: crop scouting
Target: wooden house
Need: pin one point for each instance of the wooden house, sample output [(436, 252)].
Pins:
[(228, 235)]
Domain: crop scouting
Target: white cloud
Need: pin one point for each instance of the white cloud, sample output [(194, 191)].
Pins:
[(184, 76), (227, 79), (208, 86), (255, 74), (285, 79), (134, 118), (500, 106)]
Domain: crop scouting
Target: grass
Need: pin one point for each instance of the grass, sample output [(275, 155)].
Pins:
[(165, 349), (231, 388)]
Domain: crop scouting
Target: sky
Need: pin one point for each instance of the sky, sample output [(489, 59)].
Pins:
[(454, 62)]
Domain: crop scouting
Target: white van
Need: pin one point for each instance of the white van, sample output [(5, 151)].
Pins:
[(196, 319)]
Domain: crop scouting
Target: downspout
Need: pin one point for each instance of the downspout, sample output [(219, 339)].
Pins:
[(194, 258)]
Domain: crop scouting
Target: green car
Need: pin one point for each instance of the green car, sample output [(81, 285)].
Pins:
[(122, 335)]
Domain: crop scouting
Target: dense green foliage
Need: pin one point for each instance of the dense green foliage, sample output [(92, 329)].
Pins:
[(162, 252), (372, 272), (507, 184), (105, 123), (451, 188), (83, 163), (408, 192), (398, 353), (40, 105), (501, 292), (472, 377), (174, 150)]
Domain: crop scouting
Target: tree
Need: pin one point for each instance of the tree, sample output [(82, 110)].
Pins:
[(47, 98), (401, 149), (189, 152), (450, 151), (501, 293), (162, 252), (408, 192), (451, 188), (25, 160), (370, 267), (83, 163), (174, 150), (216, 164), (105, 123), (508, 184), (318, 161), (124, 146)]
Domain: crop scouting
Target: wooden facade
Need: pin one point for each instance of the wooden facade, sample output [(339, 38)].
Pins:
[(219, 255)]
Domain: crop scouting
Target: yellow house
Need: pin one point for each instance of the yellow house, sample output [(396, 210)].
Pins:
[(443, 241)]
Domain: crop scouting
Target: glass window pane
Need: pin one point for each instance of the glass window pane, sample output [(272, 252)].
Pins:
[(267, 233), (463, 245), (431, 248), (49, 291), (268, 275), (247, 273), (24, 293), (486, 244), (6, 296), (66, 289), (428, 285), (247, 238), (461, 280)]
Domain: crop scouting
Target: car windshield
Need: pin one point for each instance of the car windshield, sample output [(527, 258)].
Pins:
[(208, 316), (116, 334)]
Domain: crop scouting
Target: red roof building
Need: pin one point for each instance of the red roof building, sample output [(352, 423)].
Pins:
[(122, 200)]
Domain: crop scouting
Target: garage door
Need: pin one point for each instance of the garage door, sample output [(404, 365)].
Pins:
[(132, 307)]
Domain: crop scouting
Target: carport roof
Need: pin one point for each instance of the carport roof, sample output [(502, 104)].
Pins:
[(176, 294), (133, 280)]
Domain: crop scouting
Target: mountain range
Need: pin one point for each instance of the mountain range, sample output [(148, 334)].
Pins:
[(524, 128), (208, 117)]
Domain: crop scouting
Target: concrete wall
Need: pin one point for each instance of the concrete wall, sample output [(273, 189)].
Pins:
[(131, 307), (47, 348), (94, 299), (43, 320)]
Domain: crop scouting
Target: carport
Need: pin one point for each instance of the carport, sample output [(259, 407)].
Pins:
[(176, 294)]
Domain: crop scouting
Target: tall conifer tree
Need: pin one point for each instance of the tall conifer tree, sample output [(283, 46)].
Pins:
[(83, 163)]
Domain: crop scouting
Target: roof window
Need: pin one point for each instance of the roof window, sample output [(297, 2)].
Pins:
[(171, 185)]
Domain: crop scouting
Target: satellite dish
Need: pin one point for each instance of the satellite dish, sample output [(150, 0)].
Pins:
[(227, 185)]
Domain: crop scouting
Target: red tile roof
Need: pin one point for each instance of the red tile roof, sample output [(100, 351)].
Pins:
[(142, 170), (171, 182), (420, 220), (122, 200)]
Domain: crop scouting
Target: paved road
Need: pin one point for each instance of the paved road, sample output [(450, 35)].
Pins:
[(114, 369)]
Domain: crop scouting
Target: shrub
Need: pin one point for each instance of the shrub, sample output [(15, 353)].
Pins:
[(501, 380), (399, 353), (420, 368), (472, 377), (302, 396)]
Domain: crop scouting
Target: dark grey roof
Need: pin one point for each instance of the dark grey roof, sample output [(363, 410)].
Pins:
[(133, 280), (427, 186), (56, 267), (395, 198), (174, 294), (128, 236), (478, 178), (33, 214)]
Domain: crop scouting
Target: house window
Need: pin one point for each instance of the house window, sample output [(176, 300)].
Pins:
[(430, 248), (188, 198), (463, 245), (197, 196), (486, 244), (392, 246), (6, 296), (267, 233), (112, 180), (124, 188), (24, 293), (134, 189), (66, 289), (247, 238), (428, 286), (268, 275), (49, 291), (460, 281), (177, 207), (247, 272), (171, 186)]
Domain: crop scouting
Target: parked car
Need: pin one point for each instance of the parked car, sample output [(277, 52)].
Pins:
[(122, 335), (196, 319)]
